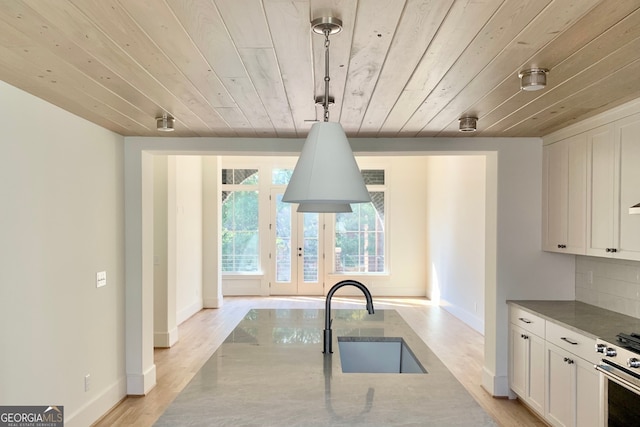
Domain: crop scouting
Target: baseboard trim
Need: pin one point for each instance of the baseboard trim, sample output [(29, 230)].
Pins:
[(188, 311), (97, 406), (497, 386), (165, 339), (212, 302), (141, 384)]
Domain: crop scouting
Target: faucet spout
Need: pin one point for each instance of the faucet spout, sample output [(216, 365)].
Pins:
[(328, 339)]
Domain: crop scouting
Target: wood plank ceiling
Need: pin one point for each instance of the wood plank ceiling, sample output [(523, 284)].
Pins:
[(252, 68)]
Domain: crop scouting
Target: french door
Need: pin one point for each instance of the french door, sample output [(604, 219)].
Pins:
[(297, 248)]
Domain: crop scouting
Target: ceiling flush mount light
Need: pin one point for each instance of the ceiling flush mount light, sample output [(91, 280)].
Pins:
[(165, 123), (533, 79), (326, 177), (468, 124)]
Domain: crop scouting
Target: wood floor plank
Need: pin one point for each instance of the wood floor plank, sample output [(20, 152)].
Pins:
[(459, 347)]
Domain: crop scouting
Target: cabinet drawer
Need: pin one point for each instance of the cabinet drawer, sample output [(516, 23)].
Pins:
[(571, 341), (527, 321)]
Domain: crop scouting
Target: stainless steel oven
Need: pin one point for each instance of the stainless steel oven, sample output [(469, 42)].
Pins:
[(619, 382)]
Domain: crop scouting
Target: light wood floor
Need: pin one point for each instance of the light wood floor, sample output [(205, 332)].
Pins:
[(457, 345)]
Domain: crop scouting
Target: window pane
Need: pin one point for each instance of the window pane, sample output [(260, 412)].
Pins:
[(281, 176), (283, 240), (240, 244), (359, 239), (240, 176), (373, 176), (311, 254)]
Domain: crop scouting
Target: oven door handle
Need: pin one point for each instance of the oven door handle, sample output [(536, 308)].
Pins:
[(625, 380)]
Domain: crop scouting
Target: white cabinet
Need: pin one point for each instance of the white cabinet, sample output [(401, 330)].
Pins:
[(564, 204), (614, 156), (590, 180), (602, 219), (560, 381), (573, 393), (628, 133), (551, 369), (527, 358)]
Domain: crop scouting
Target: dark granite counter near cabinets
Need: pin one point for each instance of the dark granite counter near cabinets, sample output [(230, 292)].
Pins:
[(589, 320)]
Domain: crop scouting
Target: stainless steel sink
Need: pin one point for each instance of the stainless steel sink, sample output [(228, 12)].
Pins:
[(377, 355)]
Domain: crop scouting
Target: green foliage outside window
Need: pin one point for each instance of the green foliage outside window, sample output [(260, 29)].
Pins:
[(359, 238)]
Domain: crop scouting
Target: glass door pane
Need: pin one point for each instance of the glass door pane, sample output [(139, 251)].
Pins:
[(296, 249), (311, 254)]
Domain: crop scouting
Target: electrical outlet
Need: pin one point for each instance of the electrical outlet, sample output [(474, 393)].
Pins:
[(101, 279), (87, 382)]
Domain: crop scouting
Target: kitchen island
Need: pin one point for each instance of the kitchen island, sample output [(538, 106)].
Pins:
[(271, 371)]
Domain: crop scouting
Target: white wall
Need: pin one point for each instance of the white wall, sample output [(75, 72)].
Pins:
[(455, 235), (62, 220), (188, 237)]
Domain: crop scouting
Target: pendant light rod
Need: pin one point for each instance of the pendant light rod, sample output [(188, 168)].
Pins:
[(326, 26), (327, 79)]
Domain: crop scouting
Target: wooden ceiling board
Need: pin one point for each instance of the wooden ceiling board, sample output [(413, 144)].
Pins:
[(518, 54), (421, 20), (75, 25), (253, 68), (204, 25), (27, 62), (566, 56), (291, 35), (570, 76), (374, 30), (443, 51), (506, 25), (608, 92)]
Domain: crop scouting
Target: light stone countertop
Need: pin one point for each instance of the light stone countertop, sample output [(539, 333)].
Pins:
[(591, 321), (270, 371)]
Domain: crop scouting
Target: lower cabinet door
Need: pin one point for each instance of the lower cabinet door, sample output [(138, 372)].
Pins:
[(536, 389), (561, 383), (587, 394)]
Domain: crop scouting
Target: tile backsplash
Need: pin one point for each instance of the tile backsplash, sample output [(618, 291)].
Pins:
[(609, 283)]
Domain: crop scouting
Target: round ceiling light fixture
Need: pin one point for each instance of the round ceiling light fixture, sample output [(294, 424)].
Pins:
[(165, 123), (533, 79), (468, 124)]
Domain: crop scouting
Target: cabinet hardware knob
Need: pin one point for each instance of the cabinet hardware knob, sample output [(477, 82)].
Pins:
[(633, 363), (614, 250)]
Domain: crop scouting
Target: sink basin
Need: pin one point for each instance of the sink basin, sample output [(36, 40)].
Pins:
[(377, 355)]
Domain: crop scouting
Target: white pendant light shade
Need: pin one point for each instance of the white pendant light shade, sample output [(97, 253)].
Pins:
[(326, 171), (324, 207)]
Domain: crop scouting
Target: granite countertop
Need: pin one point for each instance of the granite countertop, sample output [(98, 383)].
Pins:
[(591, 321), (271, 372)]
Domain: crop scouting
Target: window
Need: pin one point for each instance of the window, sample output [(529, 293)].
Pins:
[(240, 234), (360, 235)]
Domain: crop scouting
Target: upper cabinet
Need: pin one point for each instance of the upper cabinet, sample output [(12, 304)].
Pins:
[(565, 195), (590, 180), (603, 187), (628, 135)]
